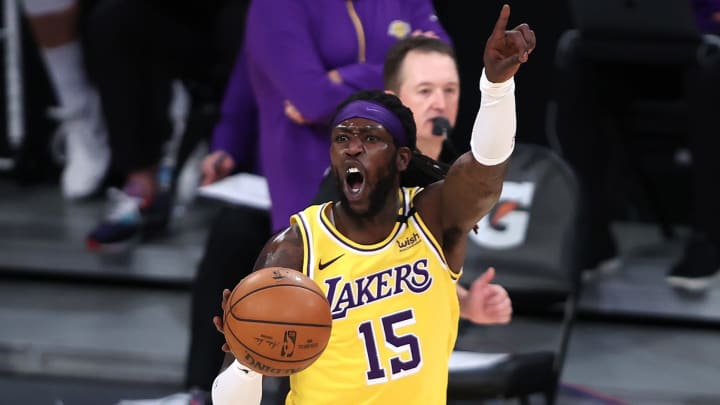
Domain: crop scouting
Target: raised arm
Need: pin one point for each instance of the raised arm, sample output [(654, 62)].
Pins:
[(474, 182), (452, 207)]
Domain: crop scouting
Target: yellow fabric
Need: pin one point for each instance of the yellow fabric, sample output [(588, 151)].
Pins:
[(395, 314)]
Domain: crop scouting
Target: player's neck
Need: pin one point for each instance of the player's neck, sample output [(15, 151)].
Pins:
[(367, 230)]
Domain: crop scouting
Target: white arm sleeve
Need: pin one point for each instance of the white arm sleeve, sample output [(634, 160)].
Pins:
[(237, 385), (493, 134)]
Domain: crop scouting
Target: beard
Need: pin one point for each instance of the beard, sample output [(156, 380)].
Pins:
[(378, 195)]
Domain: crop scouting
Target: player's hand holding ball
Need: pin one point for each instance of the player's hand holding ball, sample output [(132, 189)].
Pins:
[(276, 321)]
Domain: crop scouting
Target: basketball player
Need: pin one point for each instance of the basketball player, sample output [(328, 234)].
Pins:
[(387, 256), (422, 72)]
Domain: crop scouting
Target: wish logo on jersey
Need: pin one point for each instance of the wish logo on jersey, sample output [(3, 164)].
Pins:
[(408, 242), (505, 226), (344, 295)]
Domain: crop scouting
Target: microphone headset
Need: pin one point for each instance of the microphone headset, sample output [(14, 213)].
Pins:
[(441, 126)]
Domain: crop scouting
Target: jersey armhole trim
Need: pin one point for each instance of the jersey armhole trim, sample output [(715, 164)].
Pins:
[(424, 229), (301, 222)]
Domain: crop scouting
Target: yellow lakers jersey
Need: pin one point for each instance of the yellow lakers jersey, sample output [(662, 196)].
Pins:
[(395, 313)]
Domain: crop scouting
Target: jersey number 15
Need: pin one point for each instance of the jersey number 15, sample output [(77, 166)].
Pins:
[(400, 344)]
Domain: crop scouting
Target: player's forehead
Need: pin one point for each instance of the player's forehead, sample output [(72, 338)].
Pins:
[(369, 113), (357, 124), (362, 126)]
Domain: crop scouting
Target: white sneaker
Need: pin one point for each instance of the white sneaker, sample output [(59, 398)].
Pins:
[(81, 144)]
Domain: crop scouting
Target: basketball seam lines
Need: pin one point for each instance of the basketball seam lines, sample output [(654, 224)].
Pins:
[(317, 325), (273, 286)]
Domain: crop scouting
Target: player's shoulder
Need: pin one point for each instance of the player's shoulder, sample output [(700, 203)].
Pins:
[(290, 235), (284, 249), (424, 196)]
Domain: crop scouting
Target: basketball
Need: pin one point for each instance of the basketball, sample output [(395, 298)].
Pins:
[(277, 321)]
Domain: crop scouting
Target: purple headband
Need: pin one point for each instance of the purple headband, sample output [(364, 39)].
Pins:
[(374, 112)]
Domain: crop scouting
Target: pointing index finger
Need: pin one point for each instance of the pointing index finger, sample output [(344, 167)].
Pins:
[(502, 21)]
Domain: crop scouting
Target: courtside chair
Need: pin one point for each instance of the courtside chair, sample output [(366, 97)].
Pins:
[(531, 237)]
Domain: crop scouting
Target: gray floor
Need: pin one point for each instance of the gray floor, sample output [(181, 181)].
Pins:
[(80, 329)]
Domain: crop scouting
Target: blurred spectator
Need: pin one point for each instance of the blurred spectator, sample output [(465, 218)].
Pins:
[(422, 72), (137, 49), (592, 90), (321, 53), (80, 142)]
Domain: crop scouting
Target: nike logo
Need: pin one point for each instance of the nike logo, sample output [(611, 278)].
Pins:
[(322, 266)]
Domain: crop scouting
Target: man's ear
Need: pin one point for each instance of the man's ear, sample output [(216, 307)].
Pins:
[(403, 158)]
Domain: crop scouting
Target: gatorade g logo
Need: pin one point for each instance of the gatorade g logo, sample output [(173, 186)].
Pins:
[(288, 347), (505, 226)]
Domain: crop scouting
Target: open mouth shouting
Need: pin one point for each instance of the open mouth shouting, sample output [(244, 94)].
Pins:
[(354, 182)]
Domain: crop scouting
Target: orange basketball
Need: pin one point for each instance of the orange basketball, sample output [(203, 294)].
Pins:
[(277, 321)]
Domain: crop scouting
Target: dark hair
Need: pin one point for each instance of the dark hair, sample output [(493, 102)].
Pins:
[(399, 50), (421, 170)]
